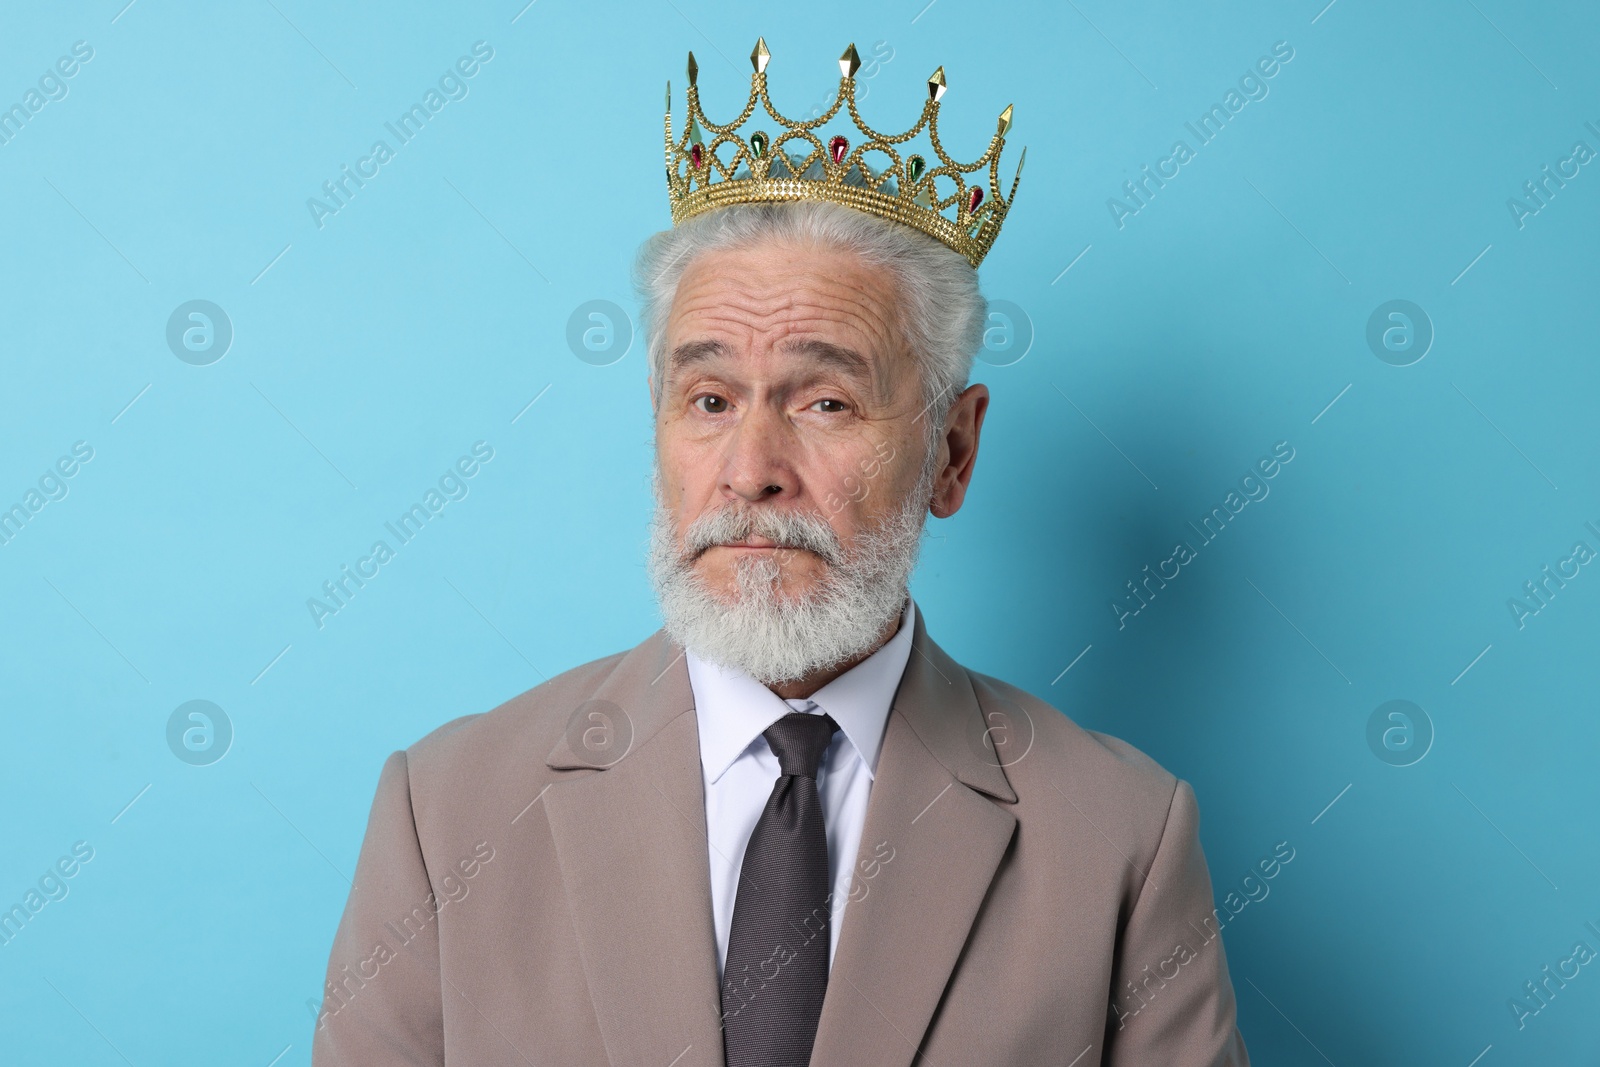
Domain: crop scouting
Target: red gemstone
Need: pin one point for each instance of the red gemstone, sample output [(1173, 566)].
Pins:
[(838, 148), (695, 156), (974, 198)]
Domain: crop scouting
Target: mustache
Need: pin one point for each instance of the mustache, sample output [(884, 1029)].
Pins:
[(786, 529)]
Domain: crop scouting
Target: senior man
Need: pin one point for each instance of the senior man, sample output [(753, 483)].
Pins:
[(788, 828)]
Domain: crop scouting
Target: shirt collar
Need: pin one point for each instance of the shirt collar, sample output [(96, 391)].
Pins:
[(733, 709)]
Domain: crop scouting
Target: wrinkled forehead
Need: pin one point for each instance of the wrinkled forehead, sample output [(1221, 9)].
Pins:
[(773, 304)]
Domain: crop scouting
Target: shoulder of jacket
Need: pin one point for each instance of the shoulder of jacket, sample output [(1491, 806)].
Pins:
[(1066, 752), (528, 720)]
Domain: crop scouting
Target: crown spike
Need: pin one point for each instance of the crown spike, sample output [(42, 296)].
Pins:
[(1017, 178), (849, 62), (1005, 121), (760, 57), (694, 70), (669, 94), (936, 85)]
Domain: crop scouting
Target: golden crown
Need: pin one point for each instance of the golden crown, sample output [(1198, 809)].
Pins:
[(734, 169)]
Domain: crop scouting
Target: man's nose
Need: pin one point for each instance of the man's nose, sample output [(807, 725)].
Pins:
[(758, 458)]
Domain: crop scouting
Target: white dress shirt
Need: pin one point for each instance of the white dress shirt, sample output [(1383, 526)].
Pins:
[(733, 710)]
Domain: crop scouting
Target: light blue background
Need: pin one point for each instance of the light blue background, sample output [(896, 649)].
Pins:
[(1225, 316)]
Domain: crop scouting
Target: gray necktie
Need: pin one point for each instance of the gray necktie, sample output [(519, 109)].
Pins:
[(776, 972)]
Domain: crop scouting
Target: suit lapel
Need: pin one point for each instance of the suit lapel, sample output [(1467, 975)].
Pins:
[(907, 920), (630, 838), (631, 843)]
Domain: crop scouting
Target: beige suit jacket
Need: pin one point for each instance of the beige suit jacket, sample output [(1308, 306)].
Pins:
[(533, 889)]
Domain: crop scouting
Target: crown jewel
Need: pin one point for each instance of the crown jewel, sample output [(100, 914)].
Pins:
[(724, 165)]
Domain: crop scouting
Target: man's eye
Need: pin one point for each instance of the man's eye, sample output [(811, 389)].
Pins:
[(830, 406), (711, 405)]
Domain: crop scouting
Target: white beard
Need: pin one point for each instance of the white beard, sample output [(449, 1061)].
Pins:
[(771, 637)]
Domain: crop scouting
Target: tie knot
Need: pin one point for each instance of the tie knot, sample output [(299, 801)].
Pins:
[(798, 740)]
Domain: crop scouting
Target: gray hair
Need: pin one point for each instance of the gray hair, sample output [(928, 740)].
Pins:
[(940, 304)]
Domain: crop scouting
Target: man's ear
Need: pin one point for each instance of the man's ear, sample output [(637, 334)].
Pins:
[(959, 444), (650, 384)]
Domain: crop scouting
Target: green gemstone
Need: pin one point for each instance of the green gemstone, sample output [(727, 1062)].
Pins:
[(694, 131), (915, 166), (758, 144)]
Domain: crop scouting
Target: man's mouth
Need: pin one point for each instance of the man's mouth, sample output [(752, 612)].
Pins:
[(745, 540), (753, 546)]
